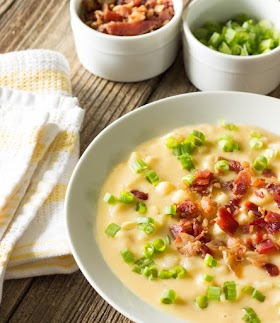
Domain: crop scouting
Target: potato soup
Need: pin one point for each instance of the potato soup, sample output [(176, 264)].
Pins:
[(190, 223)]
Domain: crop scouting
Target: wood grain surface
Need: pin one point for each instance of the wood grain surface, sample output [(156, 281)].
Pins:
[(26, 24)]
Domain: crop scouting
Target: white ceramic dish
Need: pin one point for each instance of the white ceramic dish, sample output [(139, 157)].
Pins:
[(122, 136), (211, 70), (126, 58)]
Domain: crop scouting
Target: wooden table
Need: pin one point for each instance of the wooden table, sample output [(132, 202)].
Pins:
[(28, 24)]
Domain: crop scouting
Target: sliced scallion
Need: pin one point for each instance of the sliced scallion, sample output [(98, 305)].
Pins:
[(138, 166), (126, 197), (146, 224), (259, 296), (152, 177), (141, 207), (110, 199), (230, 290), (230, 126), (222, 166), (250, 316), (168, 296), (170, 209), (260, 163), (214, 293), (127, 256), (210, 261), (171, 142), (165, 274), (188, 179), (149, 250), (159, 245), (112, 229), (202, 301), (197, 138), (167, 239), (228, 144), (178, 272), (186, 161), (150, 272), (208, 278)]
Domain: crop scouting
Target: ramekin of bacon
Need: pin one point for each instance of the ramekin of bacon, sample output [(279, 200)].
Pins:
[(126, 40)]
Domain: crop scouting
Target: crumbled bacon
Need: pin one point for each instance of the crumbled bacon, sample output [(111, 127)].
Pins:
[(140, 195), (250, 206), (201, 181), (274, 189), (189, 246), (175, 230), (259, 182), (266, 246), (256, 259), (233, 205), (131, 28), (205, 250), (226, 221), (268, 173), (271, 269), (216, 247), (234, 165), (242, 182), (111, 15), (272, 217), (187, 209), (270, 227)]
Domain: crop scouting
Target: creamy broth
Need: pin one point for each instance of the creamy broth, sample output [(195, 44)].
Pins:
[(172, 191)]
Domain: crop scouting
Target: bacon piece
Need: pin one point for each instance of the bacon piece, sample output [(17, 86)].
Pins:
[(271, 269), (187, 209), (216, 247), (201, 181), (233, 205), (140, 195), (205, 250), (274, 189), (242, 182), (189, 247), (250, 206), (226, 221), (111, 15), (229, 185), (184, 226), (234, 165), (270, 227), (175, 230), (259, 182), (166, 14), (272, 217), (266, 246), (268, 173), (132, 28)]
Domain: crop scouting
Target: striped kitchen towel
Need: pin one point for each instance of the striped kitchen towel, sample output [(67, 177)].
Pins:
[(39, 148)]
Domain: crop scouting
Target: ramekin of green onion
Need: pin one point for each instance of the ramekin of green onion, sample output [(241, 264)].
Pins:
[(232, 45)]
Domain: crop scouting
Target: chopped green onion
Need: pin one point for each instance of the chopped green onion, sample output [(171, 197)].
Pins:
[(159, 245), (127, 256), (178, 272), (177, 151), (222, 165), (260, 163), (255, 134), (168, 296), (138, 166), (258, 295), (208, 278), (188, 179), (230, 290), (142, 263), (202, 301), (150, 272), (112, 229), (141, 207), (227, 143), (255, 143), (247, 289), (186, 161), (250, 316), (210, 261), (110, 199), (171, 142), (224, 48), (149, 250), (197, 138), (170, 209), (167, 239), (214, 293), (137, 270), (152, 177), (230, 126), (187, 147), (165, 274), (126, 197), (146, 224)]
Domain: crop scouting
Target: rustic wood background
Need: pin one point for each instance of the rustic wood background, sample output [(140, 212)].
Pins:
[(26, 24)]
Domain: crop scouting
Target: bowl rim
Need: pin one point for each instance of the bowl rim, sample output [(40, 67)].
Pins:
[(175, 19), (235, 58)]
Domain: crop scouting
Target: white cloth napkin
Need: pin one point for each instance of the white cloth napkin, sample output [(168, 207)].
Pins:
[(39, 147)]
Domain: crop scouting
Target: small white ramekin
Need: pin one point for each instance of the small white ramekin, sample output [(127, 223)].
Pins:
[(210, 70), (126, 58)]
